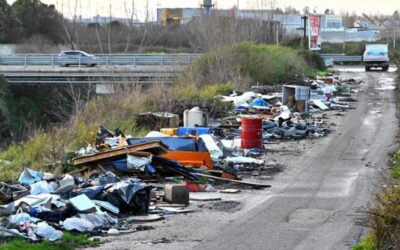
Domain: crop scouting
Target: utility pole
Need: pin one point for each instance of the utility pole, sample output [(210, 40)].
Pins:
[(394, 37), (344, 41), (304, 37), (305, 18), (277, 33)]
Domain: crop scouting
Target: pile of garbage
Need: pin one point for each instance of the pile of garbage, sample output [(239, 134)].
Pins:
[(294, 113), (122, 179), (42, 205)]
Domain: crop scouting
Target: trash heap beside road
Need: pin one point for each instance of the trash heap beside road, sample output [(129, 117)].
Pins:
[(123, 180)]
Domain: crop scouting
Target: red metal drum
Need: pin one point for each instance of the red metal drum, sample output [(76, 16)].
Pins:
[(252, 131)]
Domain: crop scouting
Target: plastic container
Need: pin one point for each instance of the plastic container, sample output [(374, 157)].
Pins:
[(193, 131), (194, 117), (169, 131), (252, 131)]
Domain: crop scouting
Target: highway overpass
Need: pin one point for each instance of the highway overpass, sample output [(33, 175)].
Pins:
[(42, 75), (52, 60), (43, 69)]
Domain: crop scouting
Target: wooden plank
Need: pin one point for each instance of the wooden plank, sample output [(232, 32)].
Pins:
[(256, 185), (155, 147)]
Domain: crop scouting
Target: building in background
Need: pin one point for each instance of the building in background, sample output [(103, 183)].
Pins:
[(177, 15), (331, 22), (365, 23), (332, 28), (290, 22), (333, 31)]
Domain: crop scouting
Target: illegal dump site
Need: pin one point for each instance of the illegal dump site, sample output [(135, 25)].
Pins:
[(126, 184)]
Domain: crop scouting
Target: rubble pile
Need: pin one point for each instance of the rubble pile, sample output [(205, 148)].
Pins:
[(124, 180)]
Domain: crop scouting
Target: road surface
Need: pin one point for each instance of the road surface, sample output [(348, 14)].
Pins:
[(315, 208)]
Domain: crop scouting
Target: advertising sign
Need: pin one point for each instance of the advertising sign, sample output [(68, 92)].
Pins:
[(314, 32)]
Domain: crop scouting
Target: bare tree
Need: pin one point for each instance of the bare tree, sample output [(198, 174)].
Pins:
[(349, 19), (109, 30), (146, 24), (98, 38), (70, 101), (130, 13)]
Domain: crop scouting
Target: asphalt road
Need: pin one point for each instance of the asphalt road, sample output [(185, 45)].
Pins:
[(316, 203)]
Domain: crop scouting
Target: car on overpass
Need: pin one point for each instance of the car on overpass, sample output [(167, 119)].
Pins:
[(77, 57)]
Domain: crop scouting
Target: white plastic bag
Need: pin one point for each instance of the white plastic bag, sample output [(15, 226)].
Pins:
[(48, 232), (20, 220), (78, 224), (41, 187)]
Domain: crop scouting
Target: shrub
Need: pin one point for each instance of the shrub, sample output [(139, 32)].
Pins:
[(55, 146), (367, 244), (313, 59), (383, 217), (246, 63)]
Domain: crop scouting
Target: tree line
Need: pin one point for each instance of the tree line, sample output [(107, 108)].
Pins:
[(38, 27), (25, 18)]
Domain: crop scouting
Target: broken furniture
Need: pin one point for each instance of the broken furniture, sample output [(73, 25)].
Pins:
[(154, 147), (297, 97)]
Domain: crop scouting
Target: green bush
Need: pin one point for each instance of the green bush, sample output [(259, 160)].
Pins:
[(56, 146), (206, 94), (351, 48), (313, 59), (395, 174), (383, 217), (35, 153), (5, 95), (246, 63), (367, 244)]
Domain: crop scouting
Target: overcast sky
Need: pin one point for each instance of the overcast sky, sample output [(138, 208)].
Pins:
[(102, 7)]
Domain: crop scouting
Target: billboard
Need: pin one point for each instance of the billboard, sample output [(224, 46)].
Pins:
[(314, 32)]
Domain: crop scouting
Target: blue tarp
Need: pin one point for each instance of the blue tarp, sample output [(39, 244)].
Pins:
[(174, 143), (259, 102), (30, 176), (197, 131)]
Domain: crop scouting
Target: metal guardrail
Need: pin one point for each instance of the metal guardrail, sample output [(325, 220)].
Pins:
[(341, 58), (104, 60), (128, 59)]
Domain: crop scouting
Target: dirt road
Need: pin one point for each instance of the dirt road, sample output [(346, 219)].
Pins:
[(314, 208), (312, 203)]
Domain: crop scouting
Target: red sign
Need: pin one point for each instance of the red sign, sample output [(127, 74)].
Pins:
[(314, 32)]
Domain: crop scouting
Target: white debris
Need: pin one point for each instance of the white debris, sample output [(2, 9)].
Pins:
[(215, 152), (243, 160)]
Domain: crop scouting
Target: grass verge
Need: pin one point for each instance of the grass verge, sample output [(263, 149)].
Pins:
[(247, 63), (69, 242), (54, 147)]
